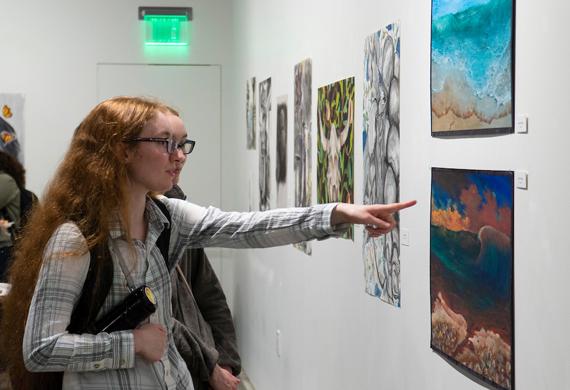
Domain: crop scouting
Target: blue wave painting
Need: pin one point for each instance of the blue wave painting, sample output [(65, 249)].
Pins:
[(471, 66)]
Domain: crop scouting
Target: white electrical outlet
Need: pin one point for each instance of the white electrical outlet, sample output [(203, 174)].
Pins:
[(278, 342), (404, 237), (521, 124), (521, 180)]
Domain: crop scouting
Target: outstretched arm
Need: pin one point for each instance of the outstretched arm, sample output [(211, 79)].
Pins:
[(194, 226)]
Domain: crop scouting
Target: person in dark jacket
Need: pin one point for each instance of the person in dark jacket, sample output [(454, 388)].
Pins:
[(204, 332), (15, 204)]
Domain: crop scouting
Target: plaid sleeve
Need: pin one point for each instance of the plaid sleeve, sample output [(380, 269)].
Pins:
[(213, 227), (47, 344)]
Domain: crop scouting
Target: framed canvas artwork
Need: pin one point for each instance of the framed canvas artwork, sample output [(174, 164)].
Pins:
[(472, 67), (471, 272)]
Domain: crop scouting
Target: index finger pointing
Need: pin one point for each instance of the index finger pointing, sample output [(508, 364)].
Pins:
[(393, 207)]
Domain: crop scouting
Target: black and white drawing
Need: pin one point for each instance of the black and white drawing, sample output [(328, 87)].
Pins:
[(302, 139), (381, 142), (250, 112), (281, 155), (264, 157)]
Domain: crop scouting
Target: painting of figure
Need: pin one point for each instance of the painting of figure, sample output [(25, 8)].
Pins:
[(335, 143), (281, 152), (264, 157), (471, 271), (472, 73), (302, 126), (12, 124), (381, 144), (250, 114)]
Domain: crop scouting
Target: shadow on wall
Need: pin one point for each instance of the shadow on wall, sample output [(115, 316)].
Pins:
[(464, 371)]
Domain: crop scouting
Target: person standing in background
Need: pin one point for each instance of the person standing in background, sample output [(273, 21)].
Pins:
[(15, 204), (203, 330), (9, 218)]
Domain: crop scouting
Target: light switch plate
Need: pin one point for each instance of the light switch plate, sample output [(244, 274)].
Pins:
[(405, 237), (521, 180), (521, 124)]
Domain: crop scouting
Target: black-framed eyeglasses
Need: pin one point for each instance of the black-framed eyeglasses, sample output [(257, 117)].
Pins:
[(172, 146)]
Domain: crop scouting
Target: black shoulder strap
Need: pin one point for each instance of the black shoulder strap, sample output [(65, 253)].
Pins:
[(163, 241), (100, 278), (95, 289)]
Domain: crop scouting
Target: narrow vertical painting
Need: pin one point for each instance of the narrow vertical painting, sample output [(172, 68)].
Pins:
[(381, 144), (250, 114), (264, 157), (335, 144), (12, 124), (281, 152), (471, 272), (472, 72), (302, 126)]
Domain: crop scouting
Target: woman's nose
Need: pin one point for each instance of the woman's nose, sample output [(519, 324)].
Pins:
[(178, 155)]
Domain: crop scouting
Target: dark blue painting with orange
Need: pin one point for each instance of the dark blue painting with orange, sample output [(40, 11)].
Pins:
[(471, 271)]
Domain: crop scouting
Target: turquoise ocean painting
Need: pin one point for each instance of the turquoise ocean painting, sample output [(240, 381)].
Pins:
[(472, 67)]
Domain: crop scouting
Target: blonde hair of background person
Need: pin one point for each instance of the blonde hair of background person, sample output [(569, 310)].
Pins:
[(123, 151)]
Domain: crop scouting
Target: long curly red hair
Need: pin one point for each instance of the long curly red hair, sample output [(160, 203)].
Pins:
[(89, 189)]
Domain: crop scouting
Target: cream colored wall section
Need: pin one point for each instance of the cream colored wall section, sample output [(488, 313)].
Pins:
[(50, 54), (334, 336)]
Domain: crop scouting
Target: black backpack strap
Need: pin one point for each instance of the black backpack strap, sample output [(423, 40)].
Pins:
[(163, 241), (100, 278), (95, 290)]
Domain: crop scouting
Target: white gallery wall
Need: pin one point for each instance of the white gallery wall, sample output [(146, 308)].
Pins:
[(331, 334), (50, 54)]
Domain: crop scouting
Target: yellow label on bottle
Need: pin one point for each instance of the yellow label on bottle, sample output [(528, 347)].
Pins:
[(150, 295)]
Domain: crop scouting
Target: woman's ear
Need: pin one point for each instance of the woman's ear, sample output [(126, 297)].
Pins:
[(125, 153)]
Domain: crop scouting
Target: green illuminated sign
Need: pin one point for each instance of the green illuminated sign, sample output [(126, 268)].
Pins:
[(166, 30), (166, 25)]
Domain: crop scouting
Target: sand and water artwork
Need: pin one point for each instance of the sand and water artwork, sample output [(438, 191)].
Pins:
[(335, 144), (250, 112), (302, 127), (381, 162), (472, 73), (264, 155), (471, 272)]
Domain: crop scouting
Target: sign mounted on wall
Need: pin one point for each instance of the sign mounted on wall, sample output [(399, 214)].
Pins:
[(166, 26)]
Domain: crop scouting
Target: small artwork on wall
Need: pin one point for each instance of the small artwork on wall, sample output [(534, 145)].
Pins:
[(264, 157), (250, 112), (302, 127), (281, 152), (471, 271), (381, 143), (472, 72), (12, 124), (335, 144)]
